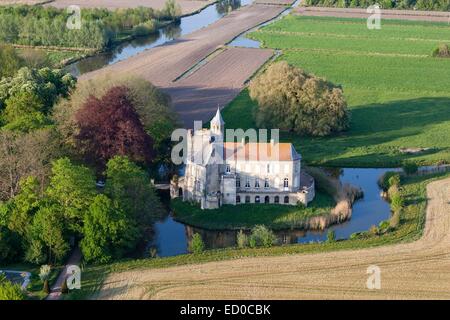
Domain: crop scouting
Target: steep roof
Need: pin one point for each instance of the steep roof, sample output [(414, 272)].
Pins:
[(218, 118), (261, 151)]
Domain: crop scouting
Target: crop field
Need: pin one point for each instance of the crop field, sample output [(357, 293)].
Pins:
[(410, 269), (397, 92)]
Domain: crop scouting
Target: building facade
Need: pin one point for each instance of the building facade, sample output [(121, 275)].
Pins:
[(219, 172)]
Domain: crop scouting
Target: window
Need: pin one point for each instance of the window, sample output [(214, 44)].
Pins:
[(247, 199), (238, 182), (247, 183), (268, 168), (286, 183), (277, 199), (257, 200), (266, 183), (256, 183), (228, 168), (286, 199), (266, 199), (238, 199)]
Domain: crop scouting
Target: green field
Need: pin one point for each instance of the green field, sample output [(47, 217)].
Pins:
[(399, 95), (246, 216)]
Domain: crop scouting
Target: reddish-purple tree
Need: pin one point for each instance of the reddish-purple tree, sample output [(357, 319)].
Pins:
[(110, 126)]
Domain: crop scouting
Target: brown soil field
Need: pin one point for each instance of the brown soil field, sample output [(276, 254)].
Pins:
[(275, 2), (216, 83), (28, 2), (417, 270), (434, 16), (187, 6), (162, 65)]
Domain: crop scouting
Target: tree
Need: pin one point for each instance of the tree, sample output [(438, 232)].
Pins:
[(47, 233), (44, 275), (130, 186), (10, 61), (24, 206), (71, 189), (290, 99), (197, 245), (107, 233), (46, 84), (110, 126), (171, 10), (241, 240), (23, 155), (261, 236), (151, 104)]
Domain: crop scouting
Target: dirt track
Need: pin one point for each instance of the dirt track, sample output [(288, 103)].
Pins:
[(408, 271), (187, 6), (434, 16), (162, 65)]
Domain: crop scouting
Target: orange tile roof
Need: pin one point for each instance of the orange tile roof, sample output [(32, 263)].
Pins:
[(261, 151)]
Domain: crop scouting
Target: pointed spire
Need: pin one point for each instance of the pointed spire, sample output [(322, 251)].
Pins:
[(218, 118)]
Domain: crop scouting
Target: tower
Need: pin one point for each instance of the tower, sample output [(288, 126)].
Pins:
[(217, 126)]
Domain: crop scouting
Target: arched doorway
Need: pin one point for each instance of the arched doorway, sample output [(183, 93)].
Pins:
[(277, 199), (257, 199), (286, 199), (266, 199)]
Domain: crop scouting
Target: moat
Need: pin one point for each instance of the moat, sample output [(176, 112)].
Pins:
[(172, 237)]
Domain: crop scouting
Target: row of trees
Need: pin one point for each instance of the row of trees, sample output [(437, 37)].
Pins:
[(46, 26), (290, 99), (436, 5)]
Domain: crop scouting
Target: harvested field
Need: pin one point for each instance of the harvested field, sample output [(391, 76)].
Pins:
[(212, 84), (187, 6), (434, 16), (417, 270)]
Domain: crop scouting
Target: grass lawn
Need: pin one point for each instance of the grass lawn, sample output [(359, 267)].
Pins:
[(410, 229), (246, 216), (399, 95)]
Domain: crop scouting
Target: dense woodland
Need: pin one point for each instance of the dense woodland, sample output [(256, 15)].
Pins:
[(46, 26), (436, 5), (57, 138)]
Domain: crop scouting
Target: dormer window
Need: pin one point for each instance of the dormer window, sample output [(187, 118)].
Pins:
[(247, 183), (228, 170), (266, 183), (256, 183)]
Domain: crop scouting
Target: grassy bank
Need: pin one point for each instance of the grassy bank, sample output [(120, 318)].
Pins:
[(246, 216), (410, 229), (397, 92)]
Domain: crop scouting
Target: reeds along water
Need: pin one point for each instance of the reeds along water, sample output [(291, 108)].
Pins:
[(344, 195)]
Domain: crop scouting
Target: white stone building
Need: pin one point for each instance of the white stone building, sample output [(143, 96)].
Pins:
[(219, 172)]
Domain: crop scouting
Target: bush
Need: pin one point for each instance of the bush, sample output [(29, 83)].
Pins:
[(10, 291), (397, 202), (384, 225), (44, 274), (385, 180), (241, 240), (290, 99), (261, 236), (410, 168), (331, 236), (197, 245), (374, 231), (442, 51)]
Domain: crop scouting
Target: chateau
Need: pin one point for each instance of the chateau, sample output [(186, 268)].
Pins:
[(219, 172)]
